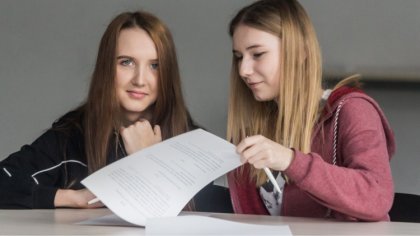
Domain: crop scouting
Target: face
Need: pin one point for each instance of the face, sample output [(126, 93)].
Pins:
[(258, 56), (136, 74)]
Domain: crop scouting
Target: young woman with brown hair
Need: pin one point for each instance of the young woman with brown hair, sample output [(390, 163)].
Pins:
[(134, 101)]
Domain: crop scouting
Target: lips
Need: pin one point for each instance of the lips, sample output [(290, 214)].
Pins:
[(136, 94), (253, 84)]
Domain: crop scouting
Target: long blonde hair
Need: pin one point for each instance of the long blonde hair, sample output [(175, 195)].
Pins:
[(291, 119)]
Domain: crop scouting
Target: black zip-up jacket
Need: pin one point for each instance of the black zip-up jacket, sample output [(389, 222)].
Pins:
[(30, 177)]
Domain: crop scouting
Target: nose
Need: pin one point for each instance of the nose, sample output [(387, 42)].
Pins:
[(139, 76), (245, 68)]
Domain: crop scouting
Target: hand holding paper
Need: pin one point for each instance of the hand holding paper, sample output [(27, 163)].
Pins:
[(159, 180)]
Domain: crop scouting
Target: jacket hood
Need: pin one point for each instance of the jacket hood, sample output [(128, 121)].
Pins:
[(344, 93)]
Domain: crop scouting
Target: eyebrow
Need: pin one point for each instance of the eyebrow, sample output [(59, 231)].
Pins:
[(248, 48), (124, 56)]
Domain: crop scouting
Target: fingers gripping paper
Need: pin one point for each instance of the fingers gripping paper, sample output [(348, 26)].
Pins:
[(160, 180)]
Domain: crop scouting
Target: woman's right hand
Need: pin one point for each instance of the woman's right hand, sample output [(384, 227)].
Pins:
[(75, 199), (140, 135), (261, 152)]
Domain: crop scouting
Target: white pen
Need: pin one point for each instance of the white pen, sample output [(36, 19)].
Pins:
[(93, 201), (272, 179)]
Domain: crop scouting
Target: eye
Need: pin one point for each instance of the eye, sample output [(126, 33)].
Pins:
[(154, 66), (237, 56), (127, 62), (258, 55)]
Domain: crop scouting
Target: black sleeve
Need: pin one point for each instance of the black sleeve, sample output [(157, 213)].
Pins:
[(28, 178)]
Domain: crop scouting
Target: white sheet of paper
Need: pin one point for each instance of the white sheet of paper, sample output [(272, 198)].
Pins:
[(160, 180), (204, 225)]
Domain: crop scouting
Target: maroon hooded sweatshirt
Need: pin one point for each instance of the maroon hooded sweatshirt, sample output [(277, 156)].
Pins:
[(358, 188)]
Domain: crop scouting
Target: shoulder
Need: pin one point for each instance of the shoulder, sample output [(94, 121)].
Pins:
[(66, 129), (360, 117), (352, 106), (355, 110), (72, 118), (353, 102), (360, 111)]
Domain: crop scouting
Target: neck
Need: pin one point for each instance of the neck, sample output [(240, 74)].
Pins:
[(128, 119)]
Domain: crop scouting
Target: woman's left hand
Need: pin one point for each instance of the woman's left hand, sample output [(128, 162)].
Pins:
[(75, 199), (140, 135), (261, 152)]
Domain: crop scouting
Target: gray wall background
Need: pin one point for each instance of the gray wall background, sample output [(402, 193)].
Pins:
[(48, 50)]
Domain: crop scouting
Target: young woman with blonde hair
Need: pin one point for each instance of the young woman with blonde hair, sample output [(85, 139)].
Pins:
[(329, 149)]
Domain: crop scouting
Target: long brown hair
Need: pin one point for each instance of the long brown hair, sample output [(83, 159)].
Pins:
[(101, 112), (289, 120)]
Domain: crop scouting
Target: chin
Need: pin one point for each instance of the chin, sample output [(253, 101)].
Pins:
[(261, 99), (136, 108)]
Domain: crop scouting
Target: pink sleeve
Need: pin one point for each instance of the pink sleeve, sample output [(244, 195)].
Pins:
[(361, 186)]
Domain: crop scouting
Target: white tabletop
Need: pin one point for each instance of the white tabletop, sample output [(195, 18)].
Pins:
[(64, 222)]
